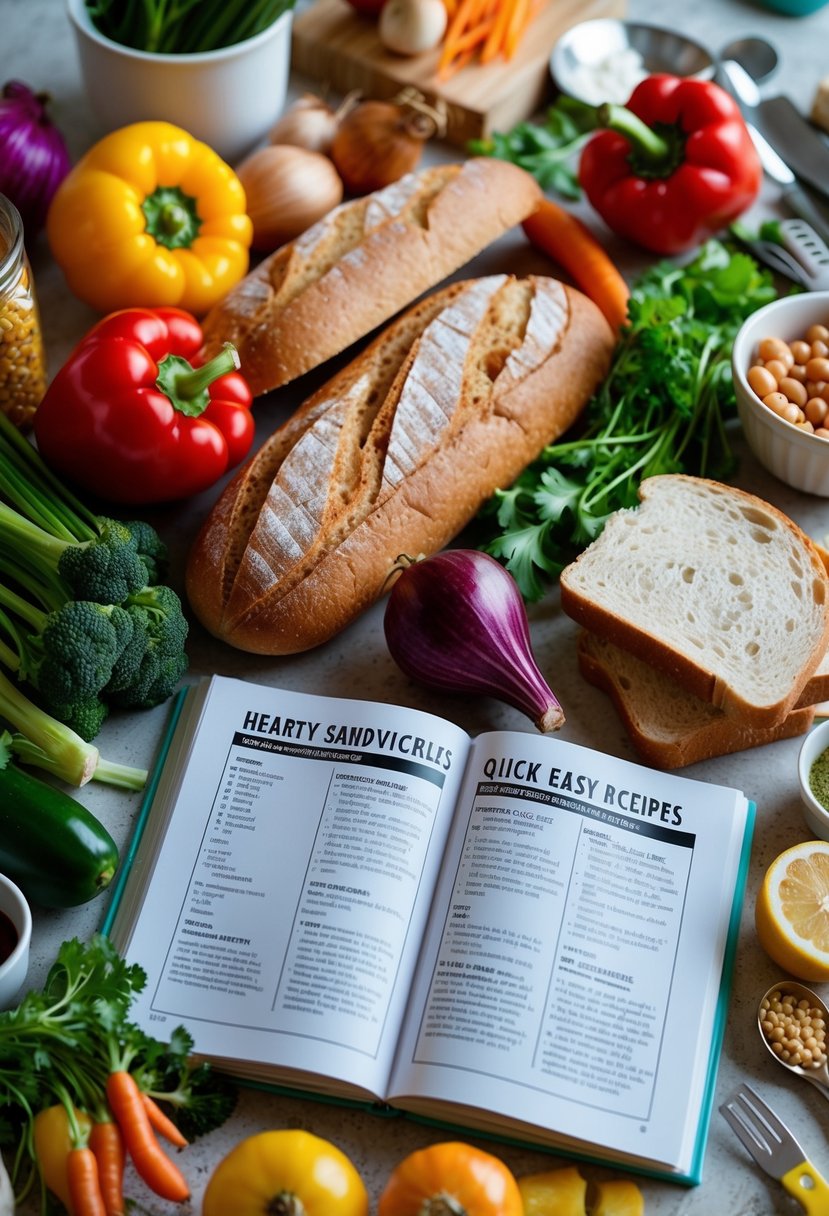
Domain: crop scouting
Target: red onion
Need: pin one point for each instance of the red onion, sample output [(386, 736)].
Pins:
[(33, 156), (456, 621)]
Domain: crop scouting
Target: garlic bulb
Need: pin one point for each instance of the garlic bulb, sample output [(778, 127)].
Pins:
[(311, 123), (411, 27), (287, 190)]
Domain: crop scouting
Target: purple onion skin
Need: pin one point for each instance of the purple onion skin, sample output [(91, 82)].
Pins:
[(456, 621), (34, 159)]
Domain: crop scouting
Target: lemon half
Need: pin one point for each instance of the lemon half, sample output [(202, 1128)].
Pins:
[(792, 911)]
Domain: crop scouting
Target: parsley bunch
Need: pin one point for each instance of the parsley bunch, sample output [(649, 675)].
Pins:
[(663, 408), (547, 150), (55, 1046)]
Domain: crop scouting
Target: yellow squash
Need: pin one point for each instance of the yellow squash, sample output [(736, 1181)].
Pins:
[(285, 1173), (558, 1192), (148, 217)]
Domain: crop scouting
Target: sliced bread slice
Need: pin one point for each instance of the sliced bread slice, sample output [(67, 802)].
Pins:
[(669, 727), (712, 586)]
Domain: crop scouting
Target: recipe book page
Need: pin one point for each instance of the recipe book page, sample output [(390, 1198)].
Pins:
[(280, 889), (571, 971)]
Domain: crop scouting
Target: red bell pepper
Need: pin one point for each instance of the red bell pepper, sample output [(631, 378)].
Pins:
[(672, 167), (129, 418)]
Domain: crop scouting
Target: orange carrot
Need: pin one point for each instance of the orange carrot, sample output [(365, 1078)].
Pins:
[(564, 238), (107, 1144), (495, 39), (84, 1185), (162, 1123), (150, 1160), (519, 19), (466, 15)]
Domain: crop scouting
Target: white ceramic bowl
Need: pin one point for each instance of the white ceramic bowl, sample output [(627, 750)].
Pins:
[(793, 455), (13, 971), (815, 814), (228, 98), (600, 43)]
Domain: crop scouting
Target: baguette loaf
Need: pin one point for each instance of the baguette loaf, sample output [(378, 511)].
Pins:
[(363, 263), (714, 587), (669, 727), (394, 455)]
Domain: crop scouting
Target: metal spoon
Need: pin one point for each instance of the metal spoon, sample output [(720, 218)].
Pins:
[(755, 56), (819, 1077)]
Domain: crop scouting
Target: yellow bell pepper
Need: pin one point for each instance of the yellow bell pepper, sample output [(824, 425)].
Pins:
[(618, 1197), (288, 1171), (53, 1142), (554, 1193), (150, 217)]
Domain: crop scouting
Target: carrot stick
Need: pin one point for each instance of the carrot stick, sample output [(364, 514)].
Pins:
[(495, 40), (466, 12), (162, 1123), (516, 27), (469, 40), (564, 238), (84, 1186), (107, 1144), (150, 1160)]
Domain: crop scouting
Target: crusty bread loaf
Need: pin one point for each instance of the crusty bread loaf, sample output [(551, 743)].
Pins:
[(364, 262), (713, 586), (669, 727), (393, 455)]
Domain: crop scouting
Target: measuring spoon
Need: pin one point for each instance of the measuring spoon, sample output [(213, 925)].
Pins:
[(754, 55), (819, 1077)]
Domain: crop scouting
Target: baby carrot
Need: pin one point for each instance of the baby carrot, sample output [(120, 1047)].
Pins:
[(162, 1123), (150, 1160), (84, 1185), (564, 238), (107, 1144)]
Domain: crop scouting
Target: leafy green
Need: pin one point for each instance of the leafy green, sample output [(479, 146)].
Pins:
[(546, 150), (183, 26), (663, 408), (59, 1043)]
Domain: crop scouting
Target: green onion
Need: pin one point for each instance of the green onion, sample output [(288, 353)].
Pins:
[(183, 27)]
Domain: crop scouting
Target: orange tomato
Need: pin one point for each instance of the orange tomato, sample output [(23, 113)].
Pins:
[(467, 1180)]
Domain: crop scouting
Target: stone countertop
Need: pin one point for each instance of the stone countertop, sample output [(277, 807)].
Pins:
[(37, 47)]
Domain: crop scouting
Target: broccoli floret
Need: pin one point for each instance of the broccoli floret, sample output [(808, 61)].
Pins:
[(106, 569), (157, 613), (67, 654), (150, 548), (85, 718)]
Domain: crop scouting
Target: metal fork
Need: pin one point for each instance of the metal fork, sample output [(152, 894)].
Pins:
[(775, 1149)]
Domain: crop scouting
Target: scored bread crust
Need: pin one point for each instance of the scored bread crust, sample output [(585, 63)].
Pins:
[(362, 264), (661, 607), (669, 727), (307, 533)]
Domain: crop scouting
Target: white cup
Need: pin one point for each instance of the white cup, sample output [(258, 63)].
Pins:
[(228, 98), (13, 971)]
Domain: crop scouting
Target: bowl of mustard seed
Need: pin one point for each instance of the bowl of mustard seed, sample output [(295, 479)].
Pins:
[(813, 773)]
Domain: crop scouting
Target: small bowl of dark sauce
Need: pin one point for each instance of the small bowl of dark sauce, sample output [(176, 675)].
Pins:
[(15, 937)]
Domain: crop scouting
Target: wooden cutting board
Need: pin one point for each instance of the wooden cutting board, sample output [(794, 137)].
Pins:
[(334, 44)]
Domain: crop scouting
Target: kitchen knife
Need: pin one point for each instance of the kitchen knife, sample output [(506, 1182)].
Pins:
[(738, 82), (791, 134)]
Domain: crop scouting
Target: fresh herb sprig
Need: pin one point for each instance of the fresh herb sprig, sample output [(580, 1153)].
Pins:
[(183, 27), (663, 408), (547, 150)]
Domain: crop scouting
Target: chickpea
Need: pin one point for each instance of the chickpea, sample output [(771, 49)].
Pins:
[(777, 368), (805, 426), (821, 432), (776, 401), (817, 333), (793, 1029), (801, 350), (761, 380), (794, 390), (816, 410), (797, 371), (817, 369), (775, 348), (820, 349)]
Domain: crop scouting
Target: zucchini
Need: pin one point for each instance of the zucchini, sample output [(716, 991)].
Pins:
[(56, 851)]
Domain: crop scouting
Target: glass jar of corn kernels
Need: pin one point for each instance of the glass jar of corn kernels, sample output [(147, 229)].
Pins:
[(22, 361)]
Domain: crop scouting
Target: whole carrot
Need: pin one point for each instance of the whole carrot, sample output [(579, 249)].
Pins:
[(565, 239), (84, 1184), (107, 1144), (150, 1160), (162, 1123)]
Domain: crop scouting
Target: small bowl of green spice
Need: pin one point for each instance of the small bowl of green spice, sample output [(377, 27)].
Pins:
[(813, 771)]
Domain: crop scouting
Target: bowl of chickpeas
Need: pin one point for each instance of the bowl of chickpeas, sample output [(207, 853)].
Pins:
[(780, 363)]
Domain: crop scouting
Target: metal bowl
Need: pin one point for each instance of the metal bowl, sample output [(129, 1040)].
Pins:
[(595, 58)]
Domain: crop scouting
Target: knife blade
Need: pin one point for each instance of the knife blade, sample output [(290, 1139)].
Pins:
[(741, 86), (785, 127)]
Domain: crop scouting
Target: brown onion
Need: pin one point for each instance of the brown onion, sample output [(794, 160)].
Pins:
[(287, 190), (310, 123), (379, 142)]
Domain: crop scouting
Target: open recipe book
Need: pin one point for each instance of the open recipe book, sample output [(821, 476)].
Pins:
[(512, 934)]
